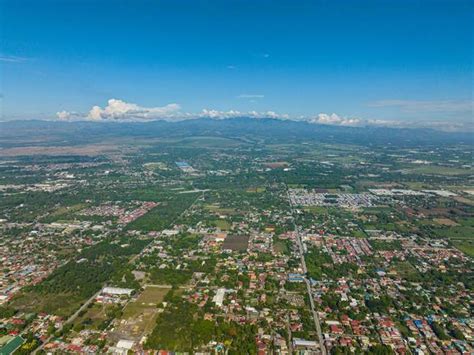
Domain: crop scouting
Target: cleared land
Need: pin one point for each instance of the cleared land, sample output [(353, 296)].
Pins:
[(236, 242), (139, 316)]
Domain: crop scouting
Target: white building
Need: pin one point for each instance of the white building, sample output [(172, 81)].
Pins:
[(218, 299), (117, 291)]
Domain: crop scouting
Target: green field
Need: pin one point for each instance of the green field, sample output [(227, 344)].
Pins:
[(222, 224), (164, 214), (139, 316), (95, 317), (439, 170), (61, 304)]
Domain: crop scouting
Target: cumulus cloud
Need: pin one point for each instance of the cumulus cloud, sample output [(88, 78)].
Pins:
[(335, 119), (63, 115), (121, 110), (216, 114)]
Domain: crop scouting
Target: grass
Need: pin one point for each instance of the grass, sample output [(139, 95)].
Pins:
[(405, 269), (209, 142), (222, 224), (64, 213), (461, 235), (357, 233), (139, 316), (456, 232), (219, 210), (256, 190), (281, 246), (61, 304), (466, 246), (164, 214), (467, 201), (439, 170), (94, 316), (152, 295), (155, 166), (445, 222), (416, 185), (316, 209)]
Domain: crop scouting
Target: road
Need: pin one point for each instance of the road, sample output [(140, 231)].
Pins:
[(317, 322), (70, 319), (90, 300), (201, 196)]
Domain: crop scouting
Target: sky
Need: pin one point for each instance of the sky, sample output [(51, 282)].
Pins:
[(406, 62)]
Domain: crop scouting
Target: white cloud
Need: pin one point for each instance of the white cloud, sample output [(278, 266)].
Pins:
[(216, 114), (334, 119), (453, 106), (124, 111), (250, 96), (12, 59), (121, 110), (63, 115)]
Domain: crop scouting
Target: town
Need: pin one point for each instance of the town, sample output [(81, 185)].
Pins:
[(293, 249)]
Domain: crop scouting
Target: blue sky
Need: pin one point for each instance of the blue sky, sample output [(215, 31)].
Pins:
[(408, 61)]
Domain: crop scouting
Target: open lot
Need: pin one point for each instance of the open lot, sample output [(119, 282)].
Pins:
[(236, 242), (222, 224), (94, 317), (139, 315)]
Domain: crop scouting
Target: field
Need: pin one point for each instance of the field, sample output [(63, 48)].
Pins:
[(64, 213), (220, 210), (236, 242), (461, 235), (464, 200), (439, 170), (209, 142), (139, 315), (405, 269), (222, 224), (164, 214), (87, 150), (95, 317), (445, 222), (256, 190), (61, 304), (281, 246)]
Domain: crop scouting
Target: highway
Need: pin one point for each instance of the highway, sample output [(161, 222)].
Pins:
[(317, 322)]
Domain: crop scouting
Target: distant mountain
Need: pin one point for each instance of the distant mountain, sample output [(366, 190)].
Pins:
[(36, 132)]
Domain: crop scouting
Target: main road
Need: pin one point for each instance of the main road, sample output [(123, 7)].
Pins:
[(93, 297), (317, 322), (70, 319)]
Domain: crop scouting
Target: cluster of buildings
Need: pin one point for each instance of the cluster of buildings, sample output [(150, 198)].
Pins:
[(380, 300), (409, 192), (30, 252), (124, 214), (303, 197)]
